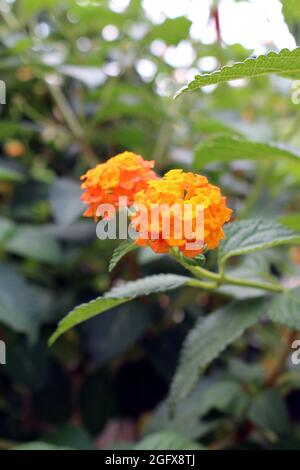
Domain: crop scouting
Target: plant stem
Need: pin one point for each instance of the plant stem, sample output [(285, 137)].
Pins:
[(202, 284), (221, 278), (254, 284)]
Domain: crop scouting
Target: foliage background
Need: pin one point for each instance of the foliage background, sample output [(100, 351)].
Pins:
[(84, 81)]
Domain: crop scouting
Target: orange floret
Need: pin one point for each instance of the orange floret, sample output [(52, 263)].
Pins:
[(181, 188), (120, 176)]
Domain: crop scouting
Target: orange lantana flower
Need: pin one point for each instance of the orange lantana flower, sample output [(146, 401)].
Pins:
[(180, 190), (120, 176)]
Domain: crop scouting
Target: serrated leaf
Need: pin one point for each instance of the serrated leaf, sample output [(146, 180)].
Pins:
[(285, 308), (188, 418), (167, 440), (121, 250), (285, 63), (209, 337), (247, 236), (148, 285), (118, 296), (229, 148)]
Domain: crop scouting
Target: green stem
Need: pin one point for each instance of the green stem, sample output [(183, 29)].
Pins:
[(253, 284), (196, 270), (202, 284), (221, 278)]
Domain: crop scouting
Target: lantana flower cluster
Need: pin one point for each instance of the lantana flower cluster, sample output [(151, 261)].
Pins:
[(179, 189), (128, 174), (121, 176)]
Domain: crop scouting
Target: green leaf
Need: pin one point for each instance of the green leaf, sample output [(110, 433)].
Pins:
[(269, 411), (39, 445), (65, 200), (10, 129), (118, 296), (285, 62), (107, 336), (84, 312), (172, 30), (32, 7), (10, 174), (167, 440), (291, 11), (247, 236), (148, 285), (285, 308), (126, 247), (189, 412), (209, 337), (229, 148), (6, 229), (33, 242), (292, 221), (19, 312)]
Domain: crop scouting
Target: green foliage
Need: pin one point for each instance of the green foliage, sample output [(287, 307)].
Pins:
[(285, 63), (84, 82), (65, 200), (208, 339), (19, 312), (39, 445), (285, 308), (172, 30), (227, 149), (248, 236), (10, 174), (262, 413), (117, 296), (166, 441), (119, 252)]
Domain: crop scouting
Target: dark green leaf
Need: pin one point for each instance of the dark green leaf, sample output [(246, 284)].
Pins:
[(285, 308), (269, 411), (117, 296), (34, 242), (209, 337), (19, 312), (247, 236)]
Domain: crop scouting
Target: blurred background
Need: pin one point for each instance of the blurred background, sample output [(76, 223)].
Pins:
[(86, 79)]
